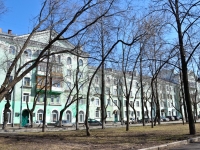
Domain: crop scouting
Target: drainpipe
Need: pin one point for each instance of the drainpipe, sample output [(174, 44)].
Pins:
[(20, 123)]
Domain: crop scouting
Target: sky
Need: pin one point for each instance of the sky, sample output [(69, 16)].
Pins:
[(18, 16)]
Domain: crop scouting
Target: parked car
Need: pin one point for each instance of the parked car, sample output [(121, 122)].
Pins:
[(171, 118), (65, 123), (146, 120), (164, 119), (94, 122), (37, 123), (176, 117), (131, 120)]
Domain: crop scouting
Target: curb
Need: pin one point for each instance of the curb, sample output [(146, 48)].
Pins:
[(173, 144)]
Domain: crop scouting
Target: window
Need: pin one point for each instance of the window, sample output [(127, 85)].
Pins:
[(53, 58), (69, 73), (59, 59), (40, 114), (27, 66), (69, 100), (97, 90), (26, 97), (81, 116), (124, 102), (9, 63), (169, 104), (107, 90), (38, 52), (115, 92), (58, 69), (108, 102), (81, 101), (69, 116), (28, 53), (132, 113), (69, 61), (27, 81), (58, 99), (80, 62), (170, 113), (162, 104), (10, 78), (131, 103), (80, 75), (136, 84), (97, 102), (131, 94), (138, 113), (40, 81), (137, 104), (54, 116), (52, 98), (12, 50), (108, 114), (40, 98), (96, 80), (115, 102), (108, 80), (115, 81), (56, 83), (125, 116), (68, 86), (97, 114)]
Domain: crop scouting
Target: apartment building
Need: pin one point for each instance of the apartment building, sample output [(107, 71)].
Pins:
[(66, 77)]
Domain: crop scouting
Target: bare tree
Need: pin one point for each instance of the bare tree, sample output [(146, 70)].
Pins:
[(183, 18)]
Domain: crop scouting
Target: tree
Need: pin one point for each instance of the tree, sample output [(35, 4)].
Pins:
[(3, 8), (62, 16), (184, 20)]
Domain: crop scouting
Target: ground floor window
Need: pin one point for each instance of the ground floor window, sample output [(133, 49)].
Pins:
[(69, 115), (81, 116), (40, 114), (97, 114), (108, 114), (54, 116)]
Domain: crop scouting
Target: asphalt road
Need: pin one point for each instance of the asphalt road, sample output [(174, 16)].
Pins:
[(190, 146)]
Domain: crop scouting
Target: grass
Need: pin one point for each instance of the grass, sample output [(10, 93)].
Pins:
[(110, 138)]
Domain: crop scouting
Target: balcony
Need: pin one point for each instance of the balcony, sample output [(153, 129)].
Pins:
[(51, 90)]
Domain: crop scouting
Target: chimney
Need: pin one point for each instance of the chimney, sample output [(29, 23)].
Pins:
[(0, 30), (9, 31)]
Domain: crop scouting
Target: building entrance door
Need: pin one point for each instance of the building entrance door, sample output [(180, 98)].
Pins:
[(25, 117)]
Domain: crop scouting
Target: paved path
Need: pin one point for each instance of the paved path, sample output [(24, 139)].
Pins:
[(190, 146)]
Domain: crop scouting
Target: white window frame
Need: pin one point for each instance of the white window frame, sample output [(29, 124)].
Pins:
[(26, 96)]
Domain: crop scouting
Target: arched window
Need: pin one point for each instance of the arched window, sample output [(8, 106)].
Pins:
[(28, 52), (40, 114), (12, 50), (80, 62), (69, 116), (96, 79), (81, 116), (69, 61), (108, 79), (38, 52), (54, 116)]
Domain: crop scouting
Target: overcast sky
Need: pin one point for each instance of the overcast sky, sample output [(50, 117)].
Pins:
[(19, 15)]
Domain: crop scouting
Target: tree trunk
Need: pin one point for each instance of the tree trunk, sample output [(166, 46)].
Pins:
[(6, 110), (184, 73)]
